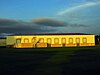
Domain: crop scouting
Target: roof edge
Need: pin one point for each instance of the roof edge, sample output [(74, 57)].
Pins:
[(52, 34)]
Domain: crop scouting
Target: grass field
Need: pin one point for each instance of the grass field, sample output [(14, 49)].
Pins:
[(50, 61)]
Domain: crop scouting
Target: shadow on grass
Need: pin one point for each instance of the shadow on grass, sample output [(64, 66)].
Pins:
[(50, 61)]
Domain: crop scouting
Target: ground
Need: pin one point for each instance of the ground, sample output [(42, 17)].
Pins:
[(50, 61)]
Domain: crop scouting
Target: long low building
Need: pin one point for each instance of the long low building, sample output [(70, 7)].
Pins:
[(50, 40)]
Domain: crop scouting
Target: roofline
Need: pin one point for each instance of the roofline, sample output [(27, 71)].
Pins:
[(2, 37), (51, 34)]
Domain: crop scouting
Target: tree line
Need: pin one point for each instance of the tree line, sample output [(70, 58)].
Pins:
[(97, 39)]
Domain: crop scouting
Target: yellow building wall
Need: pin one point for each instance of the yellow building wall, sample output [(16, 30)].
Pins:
[(2, 42), (10, 40), (90, 39)]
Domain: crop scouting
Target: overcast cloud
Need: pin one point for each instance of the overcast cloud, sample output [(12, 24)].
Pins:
[(36, 26)]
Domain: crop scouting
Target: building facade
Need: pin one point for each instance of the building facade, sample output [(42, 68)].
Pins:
[(50, 40), (2, 42)]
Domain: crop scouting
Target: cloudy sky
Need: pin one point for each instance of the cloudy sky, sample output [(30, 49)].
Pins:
[(36, 16)]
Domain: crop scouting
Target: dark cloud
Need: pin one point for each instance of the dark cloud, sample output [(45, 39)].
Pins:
[(7, 22), (78, 25), (49, 22), (55, 23), (13, 26), (37, 26)]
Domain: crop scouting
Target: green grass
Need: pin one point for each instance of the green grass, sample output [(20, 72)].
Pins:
[(50, 61)]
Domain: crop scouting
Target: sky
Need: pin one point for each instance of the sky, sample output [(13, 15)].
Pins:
[(36, 16)]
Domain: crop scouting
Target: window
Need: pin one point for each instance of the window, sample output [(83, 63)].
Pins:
[(18, 40), (26, 40), (63, 40), (41, 40), (56, 40), (77, 40), (33, 40), (84, 40), (49, 40), (70, 40)]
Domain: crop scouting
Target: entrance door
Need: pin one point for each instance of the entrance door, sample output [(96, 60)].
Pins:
[(49, 42), (63, 42), (78, 41)]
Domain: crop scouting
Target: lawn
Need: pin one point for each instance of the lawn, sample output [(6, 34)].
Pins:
[(50, 61)]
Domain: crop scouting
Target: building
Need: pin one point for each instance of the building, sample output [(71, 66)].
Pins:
[(2, 41), (50, 40)]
